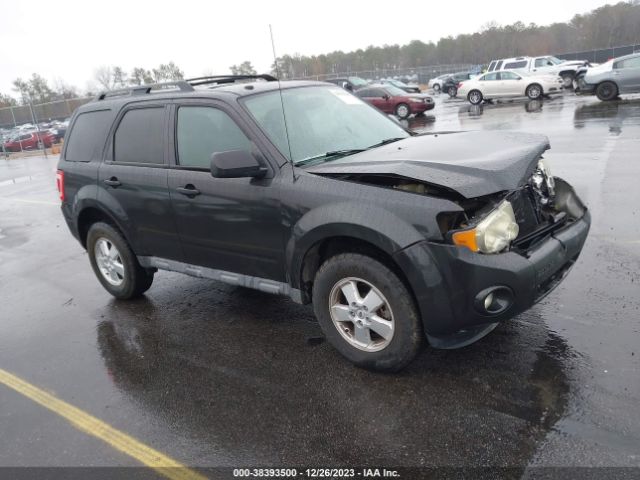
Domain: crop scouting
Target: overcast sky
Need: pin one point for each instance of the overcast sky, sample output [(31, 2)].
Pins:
[(68, 40)]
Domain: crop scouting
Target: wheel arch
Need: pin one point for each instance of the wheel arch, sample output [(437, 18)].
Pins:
[(330, 228), (328, 247), (91, 214)]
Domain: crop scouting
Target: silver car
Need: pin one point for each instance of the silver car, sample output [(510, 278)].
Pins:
[(615, 77)]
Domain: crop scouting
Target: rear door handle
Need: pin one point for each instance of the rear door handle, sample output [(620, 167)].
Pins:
[(188, 190), (113, 182)]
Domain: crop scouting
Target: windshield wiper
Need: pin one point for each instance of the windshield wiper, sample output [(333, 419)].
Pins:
[(348, 151), (334, 153), (386, 142)]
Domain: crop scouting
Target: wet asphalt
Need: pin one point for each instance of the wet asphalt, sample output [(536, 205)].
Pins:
[(214, 375)]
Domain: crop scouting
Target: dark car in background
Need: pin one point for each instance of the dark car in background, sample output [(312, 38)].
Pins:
[(349, 83), (401, 85), (450, 84), (394, 101)]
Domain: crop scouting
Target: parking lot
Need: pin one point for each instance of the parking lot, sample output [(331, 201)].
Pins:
[(218, 376)]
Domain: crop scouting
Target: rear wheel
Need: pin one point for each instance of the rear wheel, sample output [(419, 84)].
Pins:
[(436, 88), (402, 110), (607, 91), (366, 312), (534, 91), (115, 264), (452, 91), (475, 97)]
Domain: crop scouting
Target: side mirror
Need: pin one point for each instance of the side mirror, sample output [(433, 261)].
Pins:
[(348, 87), (236, 164), (386, 97)]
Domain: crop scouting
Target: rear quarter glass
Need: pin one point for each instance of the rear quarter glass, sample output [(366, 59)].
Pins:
[(88, 136)]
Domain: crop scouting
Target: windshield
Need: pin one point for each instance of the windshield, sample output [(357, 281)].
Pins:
[(555, 60), (320, 120), (397, 83)]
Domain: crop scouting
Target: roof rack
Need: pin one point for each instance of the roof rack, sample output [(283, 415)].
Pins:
[(182, 85), (220, 79)]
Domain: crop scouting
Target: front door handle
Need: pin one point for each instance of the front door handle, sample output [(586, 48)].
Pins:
[(113, 182), (188, 190)]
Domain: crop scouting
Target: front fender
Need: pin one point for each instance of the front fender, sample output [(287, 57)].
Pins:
[(369, 223)]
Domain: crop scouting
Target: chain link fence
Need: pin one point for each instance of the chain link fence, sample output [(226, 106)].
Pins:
[(417, 74), (601, 55), (11, 117)]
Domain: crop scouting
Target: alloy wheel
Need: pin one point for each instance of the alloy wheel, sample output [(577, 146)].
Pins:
[(109, 261), (362, 314)]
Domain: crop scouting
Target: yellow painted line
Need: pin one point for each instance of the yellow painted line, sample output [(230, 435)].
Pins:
[(37, 202), (89, 424)]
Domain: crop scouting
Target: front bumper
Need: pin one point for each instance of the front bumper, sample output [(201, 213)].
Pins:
[(446, 280), (421, 107)]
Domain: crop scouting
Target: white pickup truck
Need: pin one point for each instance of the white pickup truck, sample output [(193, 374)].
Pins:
[(545, 65)]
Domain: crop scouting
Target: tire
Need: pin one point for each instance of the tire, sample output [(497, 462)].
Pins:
[(452, 91), (399, 345), (436, 88), (534, 91), (475, 97), (117, 270), (403, 111), (567, 80), (607, 91)]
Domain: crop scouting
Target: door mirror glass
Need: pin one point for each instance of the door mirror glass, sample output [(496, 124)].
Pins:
[(236, 164)]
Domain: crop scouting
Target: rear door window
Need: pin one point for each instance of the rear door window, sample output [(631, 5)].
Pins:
[(203, 131), (509, 76), (88, 136), (140, 136), (490, 76)]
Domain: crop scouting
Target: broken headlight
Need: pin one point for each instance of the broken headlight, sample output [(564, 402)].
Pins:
[(491, 235)]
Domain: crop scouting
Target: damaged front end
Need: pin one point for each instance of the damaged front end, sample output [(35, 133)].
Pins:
[(516, 220)]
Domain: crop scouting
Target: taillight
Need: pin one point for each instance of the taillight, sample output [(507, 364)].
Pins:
[(60, 184), (460, 85)]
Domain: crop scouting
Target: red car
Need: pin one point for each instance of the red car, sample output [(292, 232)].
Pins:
[(393, 100), (29, 141)]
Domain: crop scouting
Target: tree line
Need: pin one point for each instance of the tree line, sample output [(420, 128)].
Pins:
[(607, 26)]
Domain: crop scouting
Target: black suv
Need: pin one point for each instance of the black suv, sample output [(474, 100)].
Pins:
[(304, 190), (450, 84)]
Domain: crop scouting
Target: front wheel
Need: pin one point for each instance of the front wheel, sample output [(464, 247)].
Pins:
[(366, 312), (534, 91), (475, 97), (607, 91), (403, 111), (436, 88), (115, 264), (567, 80), (452, 91)]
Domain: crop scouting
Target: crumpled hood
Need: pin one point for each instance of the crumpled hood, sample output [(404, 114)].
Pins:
[(471, 163)]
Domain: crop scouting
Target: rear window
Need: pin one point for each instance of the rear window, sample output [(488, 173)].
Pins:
[(513, 65), (139, 137), (87, 138)]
